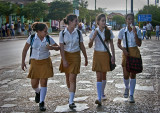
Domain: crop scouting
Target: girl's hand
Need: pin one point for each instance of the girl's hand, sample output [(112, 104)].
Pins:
[(86, 62), (23, 66), (57, 48), (113, 60), (65, 64), (125, 52)]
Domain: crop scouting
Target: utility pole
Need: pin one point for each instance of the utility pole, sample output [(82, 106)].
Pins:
[(148, 3), (95, 5), (131, 6), (126, 7)]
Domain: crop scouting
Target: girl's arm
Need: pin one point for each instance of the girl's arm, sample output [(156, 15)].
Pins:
[(113, 52), (65, 63), (84, 53), (138, 41), (123, 49), (90, 44), (25, 49), (53, 47)]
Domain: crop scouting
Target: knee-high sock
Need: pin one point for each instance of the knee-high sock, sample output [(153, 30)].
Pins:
[(103, 86), (99, 90), (126, 82), (37, 90), (71, 97), (132, 86), (43, 93)]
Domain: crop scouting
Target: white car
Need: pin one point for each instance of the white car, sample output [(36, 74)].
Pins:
[(110, 27)]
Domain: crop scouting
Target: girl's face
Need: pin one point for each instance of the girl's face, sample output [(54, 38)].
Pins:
[(73, 23), (43, 33), (130, 19), (102, 22)]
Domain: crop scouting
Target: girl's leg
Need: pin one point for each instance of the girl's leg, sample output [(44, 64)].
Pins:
[(35, 86), (43, 92), (99, 87), (67, 81), (72, 89), (126, 82), (103, 84), (132, 86)]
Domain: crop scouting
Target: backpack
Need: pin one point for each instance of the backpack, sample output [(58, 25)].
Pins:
[(78, 36), (32, 40)]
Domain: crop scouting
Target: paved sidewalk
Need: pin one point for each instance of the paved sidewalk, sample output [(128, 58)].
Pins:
[(18, 96)]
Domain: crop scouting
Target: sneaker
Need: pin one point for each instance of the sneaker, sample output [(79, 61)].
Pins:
[(131, 99), (103, 97), (98, 102), (71, 106), (37, 97), (41, 106), (126, 93)]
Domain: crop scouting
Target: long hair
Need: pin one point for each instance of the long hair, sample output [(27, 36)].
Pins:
[(107, 30)]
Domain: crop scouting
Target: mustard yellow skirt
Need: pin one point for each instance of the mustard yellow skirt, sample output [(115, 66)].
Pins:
[(74, 61), (134, 52), (40, 69), (100, 62)]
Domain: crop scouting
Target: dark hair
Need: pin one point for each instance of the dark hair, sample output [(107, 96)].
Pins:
[(69, 17), (132, 14), (107, 31), (38, 26)]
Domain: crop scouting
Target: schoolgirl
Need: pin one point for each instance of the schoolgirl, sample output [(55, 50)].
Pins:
[(134, 38), (40, 63), (101, 62), (71, 42)]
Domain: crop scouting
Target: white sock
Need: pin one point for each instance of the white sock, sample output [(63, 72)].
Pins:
[(37, 90), (103, 86), (71, 97), (126, 82), (99, 90), (132, 86), (43, 93)]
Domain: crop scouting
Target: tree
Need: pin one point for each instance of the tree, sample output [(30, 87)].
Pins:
[(35, 10), (59, 9), (154, 11), (119, 19), (6, 8)]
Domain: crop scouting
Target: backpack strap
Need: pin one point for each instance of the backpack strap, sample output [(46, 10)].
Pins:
[(31, 42), (63, 37), (79, 37), (47, 39)]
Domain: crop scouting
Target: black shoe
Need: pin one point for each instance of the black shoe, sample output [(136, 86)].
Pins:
[(71, 106), (37, 97), (41, 106), (98, 102)]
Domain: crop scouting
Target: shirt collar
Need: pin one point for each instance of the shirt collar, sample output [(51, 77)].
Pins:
[(100, 30), (36, 37), (66, 30)]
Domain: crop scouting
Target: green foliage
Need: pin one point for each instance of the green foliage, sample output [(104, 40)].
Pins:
[(119, 19), (154, 11), (34, 10), (59, 9), (7, 8)]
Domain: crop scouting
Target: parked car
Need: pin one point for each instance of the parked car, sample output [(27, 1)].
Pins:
[(110, 27)]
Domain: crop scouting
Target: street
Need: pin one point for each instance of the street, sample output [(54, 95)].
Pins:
[(18, 96)]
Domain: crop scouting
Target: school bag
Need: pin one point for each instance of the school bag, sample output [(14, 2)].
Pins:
[(78, 36), (32, 40)]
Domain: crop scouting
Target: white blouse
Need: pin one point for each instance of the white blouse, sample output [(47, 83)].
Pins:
[(71, 40), (98, 44), (130, 37), (39, 49)]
